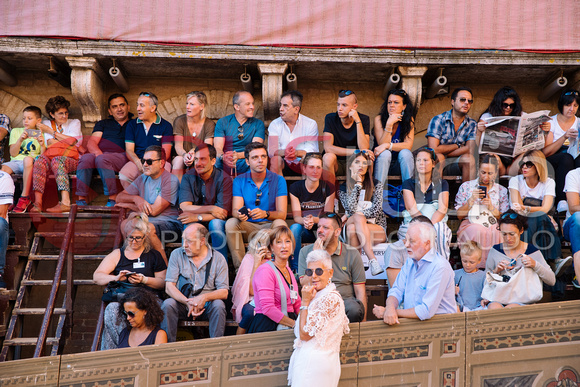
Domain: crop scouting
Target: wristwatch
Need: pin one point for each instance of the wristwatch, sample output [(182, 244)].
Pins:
[(267, 214), (199, 218)]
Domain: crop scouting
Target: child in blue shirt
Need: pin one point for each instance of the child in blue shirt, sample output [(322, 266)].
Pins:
[(469, 280)]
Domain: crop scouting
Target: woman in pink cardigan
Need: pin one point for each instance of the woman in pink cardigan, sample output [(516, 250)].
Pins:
[(274, 282)]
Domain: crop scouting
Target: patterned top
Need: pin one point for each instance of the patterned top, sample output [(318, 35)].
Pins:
[(5, 124), (497, 194), (443, 128), (350, 201)]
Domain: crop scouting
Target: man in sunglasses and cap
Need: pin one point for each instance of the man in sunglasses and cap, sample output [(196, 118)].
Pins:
[(349, 273), (345, 131), (234, 132), (452, 135), (155, 194)]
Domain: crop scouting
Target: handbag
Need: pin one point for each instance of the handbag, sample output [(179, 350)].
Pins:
[(524, 287), (393, 204), (64, 147), (479, 214), (115, 290)]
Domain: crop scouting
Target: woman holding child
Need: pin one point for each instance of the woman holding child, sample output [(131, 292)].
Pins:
[(62, 136), (479, 203), (513, 253)]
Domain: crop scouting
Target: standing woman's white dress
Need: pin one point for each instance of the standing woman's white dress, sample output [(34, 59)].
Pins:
[(316, 362)]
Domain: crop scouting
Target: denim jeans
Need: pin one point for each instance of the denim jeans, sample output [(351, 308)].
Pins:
[(301, 234), (4, 231), (572, 231), (217, 232), (383, 165)]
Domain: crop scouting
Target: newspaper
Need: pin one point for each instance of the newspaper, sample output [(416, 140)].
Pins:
[(512, 136)]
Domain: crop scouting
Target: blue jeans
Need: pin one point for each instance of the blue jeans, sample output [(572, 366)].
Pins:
[(217, 232), (572, 231), (383, 166), (4, 231), (301, 234)]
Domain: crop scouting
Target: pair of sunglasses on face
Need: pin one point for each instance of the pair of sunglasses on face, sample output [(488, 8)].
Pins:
[(527, 164), (129, 313), (508, 105), (309, 272), (148, 161)]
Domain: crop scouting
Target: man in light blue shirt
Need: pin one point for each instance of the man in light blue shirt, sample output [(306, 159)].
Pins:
[(425, 283)]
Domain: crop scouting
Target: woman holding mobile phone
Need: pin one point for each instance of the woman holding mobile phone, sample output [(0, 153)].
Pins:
[(135, 263), (479, 203)]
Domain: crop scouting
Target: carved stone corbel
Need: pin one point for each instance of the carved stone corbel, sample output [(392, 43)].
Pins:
[(412, 83), (272, 75), (87, 87)]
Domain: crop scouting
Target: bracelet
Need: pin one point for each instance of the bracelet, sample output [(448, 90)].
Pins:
[(391, 147), (357, 122), (303, 308), (145, 280)]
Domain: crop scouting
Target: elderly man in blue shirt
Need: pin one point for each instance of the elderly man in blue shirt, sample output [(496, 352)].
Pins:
[(426, 282)]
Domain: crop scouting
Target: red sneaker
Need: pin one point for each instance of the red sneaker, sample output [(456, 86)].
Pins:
[(22, 205)]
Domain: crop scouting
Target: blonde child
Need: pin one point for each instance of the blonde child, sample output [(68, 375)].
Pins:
[(469, 280), (25, 145)]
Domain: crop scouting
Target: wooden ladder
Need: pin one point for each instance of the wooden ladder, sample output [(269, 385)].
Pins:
[(64, 313)]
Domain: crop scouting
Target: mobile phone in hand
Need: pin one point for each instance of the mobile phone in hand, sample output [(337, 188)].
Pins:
[(483, 188), (244, 211)]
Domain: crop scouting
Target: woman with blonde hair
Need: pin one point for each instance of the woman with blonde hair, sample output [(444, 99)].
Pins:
[(191, 129), (532, 195), (135, 263), (242, 289)]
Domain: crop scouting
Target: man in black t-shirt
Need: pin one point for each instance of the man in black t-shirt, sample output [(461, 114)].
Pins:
[(344, 132)]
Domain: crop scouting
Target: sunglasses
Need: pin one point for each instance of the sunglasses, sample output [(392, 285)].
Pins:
[(511, 216), (358, 151), (135, 238), (527, 164), (571, 93), (463, 100), (258, 196), (240, 132), (144, 94), (319, 271), (129, 313), (345, 92), (508, 105), (148, 161)]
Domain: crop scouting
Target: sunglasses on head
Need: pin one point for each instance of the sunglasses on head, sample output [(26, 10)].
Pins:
[(258, 196), (129, 313), (135, 238), (571, 93), (358, 151), (345, 92), (240, 132), (319, 271), (508, 105), (511, 216), (149, 161), (527, 164)]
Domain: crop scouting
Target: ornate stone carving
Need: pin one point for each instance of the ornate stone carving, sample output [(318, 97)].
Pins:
[(272, 74), (87, 87), (412, 83)]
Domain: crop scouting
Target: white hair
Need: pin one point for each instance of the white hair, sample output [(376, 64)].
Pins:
[(426, 232), (319, 256)]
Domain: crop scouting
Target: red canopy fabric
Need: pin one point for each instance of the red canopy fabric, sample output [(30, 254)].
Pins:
[(535, 25)]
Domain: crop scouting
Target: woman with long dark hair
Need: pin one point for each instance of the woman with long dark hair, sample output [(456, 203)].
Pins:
[(142, 315), (394, 134)]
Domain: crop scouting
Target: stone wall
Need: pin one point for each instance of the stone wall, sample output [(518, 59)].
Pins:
[(535, 345)]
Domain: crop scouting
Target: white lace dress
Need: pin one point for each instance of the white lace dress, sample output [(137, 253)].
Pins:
[(316, 362)]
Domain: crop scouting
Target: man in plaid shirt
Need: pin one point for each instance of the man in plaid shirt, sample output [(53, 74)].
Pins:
[(452, 135)]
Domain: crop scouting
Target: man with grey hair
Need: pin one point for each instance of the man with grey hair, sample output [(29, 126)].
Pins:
[(291, 136), (234, 132), (426, 282), (142, 132), (197, 284)]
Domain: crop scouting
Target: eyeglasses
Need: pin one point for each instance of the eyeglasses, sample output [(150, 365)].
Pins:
[(135, 238), (463, 100), (240, 132), (319, 271), (149, 161), (571, 93), (527, 164), (508, 105), (345, 92), (129, 313), (258, 196), (510, 215)]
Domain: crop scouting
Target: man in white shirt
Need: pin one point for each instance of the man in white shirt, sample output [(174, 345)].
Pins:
[(291, 136)]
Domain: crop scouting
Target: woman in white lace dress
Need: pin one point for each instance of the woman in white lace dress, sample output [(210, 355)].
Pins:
[(321, 324)]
